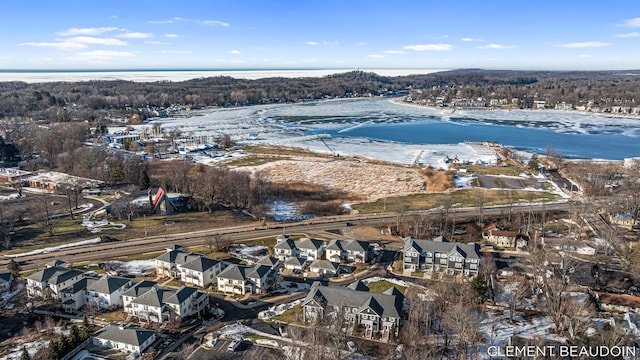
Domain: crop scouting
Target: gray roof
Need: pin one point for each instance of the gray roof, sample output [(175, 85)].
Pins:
[(107, 284), (357, 245), (258, 272), (234, 272), (139, 288), (54, 275), (201, 264), (335, 245), (285, 245), (126, 335), (308, 243), (325, 265), (154, 297), (268, 260), (468, 251), (80, 285), (358, 286), (178, 257), (382, 304), (180, 295), (296, 261)]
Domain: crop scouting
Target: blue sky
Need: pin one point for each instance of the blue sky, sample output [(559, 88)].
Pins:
[(272, 34)]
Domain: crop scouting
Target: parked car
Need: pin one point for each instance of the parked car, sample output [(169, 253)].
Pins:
[(234, 345)]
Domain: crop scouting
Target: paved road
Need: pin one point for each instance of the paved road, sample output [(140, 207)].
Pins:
[(239, 233)]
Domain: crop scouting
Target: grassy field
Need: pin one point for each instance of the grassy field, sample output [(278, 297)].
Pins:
[(284, 151), (253, 161), (510, 170), (456, 199), (290, 315), (384, 285)]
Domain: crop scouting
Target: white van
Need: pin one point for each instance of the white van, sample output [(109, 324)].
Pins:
[(234, 345)]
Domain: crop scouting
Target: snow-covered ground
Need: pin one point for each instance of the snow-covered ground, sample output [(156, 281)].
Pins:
[(96, 226), (277, 310), (56, 248), (134, 267)]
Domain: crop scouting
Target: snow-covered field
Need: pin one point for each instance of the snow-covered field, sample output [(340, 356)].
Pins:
[(56, 248), (134, 267)]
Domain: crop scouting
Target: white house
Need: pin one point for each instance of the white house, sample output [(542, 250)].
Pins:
[(350, 251), (130, 339), (162, 304), (191, 268), (106, 292), (311, 249), (236, 279), (51, 280), (133, 292)]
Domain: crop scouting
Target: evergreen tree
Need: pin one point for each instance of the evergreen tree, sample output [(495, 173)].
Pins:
[(25, 354), (143, 180), (14, 269)]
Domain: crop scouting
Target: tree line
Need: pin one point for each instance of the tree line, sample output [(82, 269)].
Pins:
[(100, 101)]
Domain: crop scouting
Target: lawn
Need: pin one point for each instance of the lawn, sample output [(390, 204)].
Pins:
[(113, 316), (283, 151), (384, 285), (252, 161), (289, 316), (510, 170), (456, 199)]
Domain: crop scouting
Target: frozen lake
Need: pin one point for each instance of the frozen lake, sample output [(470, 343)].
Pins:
[(382, 129)]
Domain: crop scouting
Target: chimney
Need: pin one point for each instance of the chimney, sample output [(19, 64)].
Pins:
[(150, 200)]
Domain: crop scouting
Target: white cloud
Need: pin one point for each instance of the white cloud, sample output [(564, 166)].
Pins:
[(155, 42), (176, 52), (216, 23), (171, 36), (497, 46), (375, 56), (135, 35), (631, 34), (87, 31), (430, 47), (312, 43), (202, 22), (468, 39), (586, 44), (96, 41), (635, 22), (61, 45), (235, 52), (392, 52)]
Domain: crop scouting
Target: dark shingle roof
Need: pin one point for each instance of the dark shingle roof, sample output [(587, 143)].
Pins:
[(308, 243), (268, 260), (200, 263), (324, 264), (126, 335), (258, 272), (357, 245), (285, 245), (154, 297), (383, 304), (234, 272), (296, 261), (335, 245), (468, 251), (54, 275), (140, 288), (108, 284), (180, 295)]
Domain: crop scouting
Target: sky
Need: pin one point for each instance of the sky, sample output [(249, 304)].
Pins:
[(328, 34)]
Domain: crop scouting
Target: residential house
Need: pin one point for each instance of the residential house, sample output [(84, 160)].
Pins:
[(295, 263), (285, 248), (133, 292), (350, 251), (441, 255), (503, 238), (106, 292), (624, 219), (201, 271), (324, 267), (51, 280), (237, 279), (191, 268), (273, 262), (373, 313), (311, 249), (130, 339), (163, 304), (74, 297)]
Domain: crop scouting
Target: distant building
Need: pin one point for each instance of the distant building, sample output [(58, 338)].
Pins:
[(624, 219), (503, 238)]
